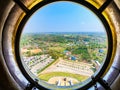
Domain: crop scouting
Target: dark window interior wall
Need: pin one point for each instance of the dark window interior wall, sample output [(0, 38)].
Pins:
[(6, 80)]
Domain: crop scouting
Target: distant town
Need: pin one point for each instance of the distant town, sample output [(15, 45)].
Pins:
[(63, 58)]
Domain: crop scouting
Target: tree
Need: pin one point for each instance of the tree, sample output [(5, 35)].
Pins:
[(28, 53)]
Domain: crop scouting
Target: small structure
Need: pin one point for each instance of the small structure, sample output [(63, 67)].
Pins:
[(98, 63), (70, 82), (101, 50), (66, 52), (58, 83), (73, 58)]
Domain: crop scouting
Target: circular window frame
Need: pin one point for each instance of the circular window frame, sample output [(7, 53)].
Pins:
[(96, 12)]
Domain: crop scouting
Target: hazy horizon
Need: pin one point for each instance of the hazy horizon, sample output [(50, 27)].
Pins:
[(62, 32)]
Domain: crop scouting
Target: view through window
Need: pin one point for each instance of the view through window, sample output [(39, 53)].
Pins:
[(63, 43)]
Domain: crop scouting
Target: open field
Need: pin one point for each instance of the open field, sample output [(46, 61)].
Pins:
[(48, 76)]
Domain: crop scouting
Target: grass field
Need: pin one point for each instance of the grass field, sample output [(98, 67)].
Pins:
[(47, 76)]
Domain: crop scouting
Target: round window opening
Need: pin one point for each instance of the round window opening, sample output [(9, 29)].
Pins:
[(62, 45)]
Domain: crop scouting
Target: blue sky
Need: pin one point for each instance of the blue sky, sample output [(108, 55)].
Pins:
[(63, 17)]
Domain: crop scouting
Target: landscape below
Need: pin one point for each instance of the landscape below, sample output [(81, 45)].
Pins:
[(63, 58)]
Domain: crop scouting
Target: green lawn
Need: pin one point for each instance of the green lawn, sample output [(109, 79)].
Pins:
[(47, 76)]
